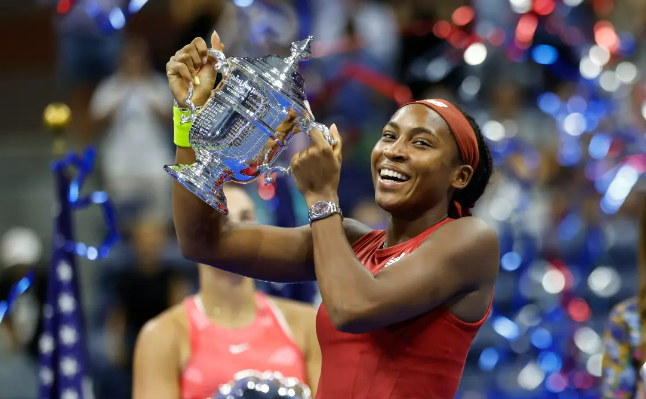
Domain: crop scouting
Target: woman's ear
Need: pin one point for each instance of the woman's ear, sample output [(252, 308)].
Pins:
[(462, 177)]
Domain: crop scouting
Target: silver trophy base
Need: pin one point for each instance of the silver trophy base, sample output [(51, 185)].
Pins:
[(205, 178)]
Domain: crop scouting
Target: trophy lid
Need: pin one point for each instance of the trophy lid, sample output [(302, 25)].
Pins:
[(282, 73)]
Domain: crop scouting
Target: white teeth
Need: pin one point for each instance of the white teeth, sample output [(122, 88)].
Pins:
[(392, 173)]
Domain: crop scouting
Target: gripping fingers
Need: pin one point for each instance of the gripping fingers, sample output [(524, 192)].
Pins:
[(194, 55), (185, 58), (202, 50), (176, 68)]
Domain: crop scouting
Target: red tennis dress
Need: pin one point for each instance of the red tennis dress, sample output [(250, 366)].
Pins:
[(217, 353), (420, 358)]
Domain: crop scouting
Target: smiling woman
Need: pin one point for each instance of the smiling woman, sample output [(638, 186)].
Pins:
[(401, 306), (465, 142)]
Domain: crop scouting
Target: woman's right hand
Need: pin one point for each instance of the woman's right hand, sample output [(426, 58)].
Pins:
[(192, 65)]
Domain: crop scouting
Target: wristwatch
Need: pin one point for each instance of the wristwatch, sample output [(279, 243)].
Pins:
[(323, 209)]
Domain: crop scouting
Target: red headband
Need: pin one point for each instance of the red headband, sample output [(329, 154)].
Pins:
[(464, 134)]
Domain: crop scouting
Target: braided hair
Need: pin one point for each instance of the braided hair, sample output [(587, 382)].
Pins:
[(468, 196)]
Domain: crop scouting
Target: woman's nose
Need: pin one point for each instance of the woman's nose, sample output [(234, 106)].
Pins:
[(396, 151)]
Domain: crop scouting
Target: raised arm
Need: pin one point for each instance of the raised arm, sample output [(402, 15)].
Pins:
[(205, 235)]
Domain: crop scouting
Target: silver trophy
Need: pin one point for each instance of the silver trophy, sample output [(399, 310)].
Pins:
[(252, 384), (250, 118)]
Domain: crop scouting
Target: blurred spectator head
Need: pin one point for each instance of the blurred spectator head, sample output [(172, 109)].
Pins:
[(241, 207), (135, 57), (148, 239)]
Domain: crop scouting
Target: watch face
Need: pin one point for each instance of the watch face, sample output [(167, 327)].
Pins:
[(321, 208)]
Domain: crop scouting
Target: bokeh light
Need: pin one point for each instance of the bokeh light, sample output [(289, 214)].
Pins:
[(475, 54)]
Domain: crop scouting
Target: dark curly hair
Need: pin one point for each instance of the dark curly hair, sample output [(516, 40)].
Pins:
[(468, 196)]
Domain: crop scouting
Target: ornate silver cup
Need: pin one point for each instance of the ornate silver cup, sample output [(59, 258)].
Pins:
[(252, 384), (250, 118)]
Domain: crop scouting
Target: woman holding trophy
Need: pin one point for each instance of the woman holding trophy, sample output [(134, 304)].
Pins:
[(402, 306)]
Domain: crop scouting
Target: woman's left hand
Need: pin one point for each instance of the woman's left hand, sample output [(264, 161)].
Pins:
[(317, 168)]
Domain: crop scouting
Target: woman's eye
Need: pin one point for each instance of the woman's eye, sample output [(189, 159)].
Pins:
[(387, 135), (420, 142)]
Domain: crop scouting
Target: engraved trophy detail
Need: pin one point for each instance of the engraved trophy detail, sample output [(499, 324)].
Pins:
[(249, 119)]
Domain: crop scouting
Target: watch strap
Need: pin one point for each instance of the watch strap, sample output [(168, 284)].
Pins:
[(322, 210)]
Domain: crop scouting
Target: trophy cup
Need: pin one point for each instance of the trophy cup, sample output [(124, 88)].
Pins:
[(252, 384), (241, 129)]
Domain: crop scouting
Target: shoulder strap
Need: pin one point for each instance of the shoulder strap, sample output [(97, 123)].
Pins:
[(275, 311), (197, 320)]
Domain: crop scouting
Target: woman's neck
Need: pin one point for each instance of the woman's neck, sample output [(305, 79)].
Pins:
[(227, 298), (399, 230)]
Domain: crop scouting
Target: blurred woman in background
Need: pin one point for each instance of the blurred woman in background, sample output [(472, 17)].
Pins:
[(193, 348), (625, 347)]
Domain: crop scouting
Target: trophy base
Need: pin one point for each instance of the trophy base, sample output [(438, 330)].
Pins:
[(204, 179)]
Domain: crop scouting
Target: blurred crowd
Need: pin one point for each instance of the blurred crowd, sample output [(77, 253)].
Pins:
[(543, 201)]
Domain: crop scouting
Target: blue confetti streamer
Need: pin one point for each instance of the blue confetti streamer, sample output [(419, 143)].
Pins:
[(84, 164), (16, 290)]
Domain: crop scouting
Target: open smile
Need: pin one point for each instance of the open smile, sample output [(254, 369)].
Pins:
[(389, 177)]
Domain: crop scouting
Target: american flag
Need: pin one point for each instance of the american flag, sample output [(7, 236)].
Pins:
[(62, 348)]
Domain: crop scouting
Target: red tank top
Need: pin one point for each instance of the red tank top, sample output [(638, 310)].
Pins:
[(420, 358), (218, 353)]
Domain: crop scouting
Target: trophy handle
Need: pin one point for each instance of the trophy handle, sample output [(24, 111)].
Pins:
[(222, 66), (268, 170), (221, 63), (307, 128)]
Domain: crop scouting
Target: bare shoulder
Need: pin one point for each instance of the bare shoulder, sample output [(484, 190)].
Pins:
[(298, 314), (479, 225), (354, 230), (169, 326), (469, 231), (470, 242)]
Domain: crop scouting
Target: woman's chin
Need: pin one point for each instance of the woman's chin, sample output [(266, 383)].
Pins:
[(388, 204)]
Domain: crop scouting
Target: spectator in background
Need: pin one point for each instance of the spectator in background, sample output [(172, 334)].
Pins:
[(135, 104), (624, 354), (193, 348), (141, 289), (86, 55)]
